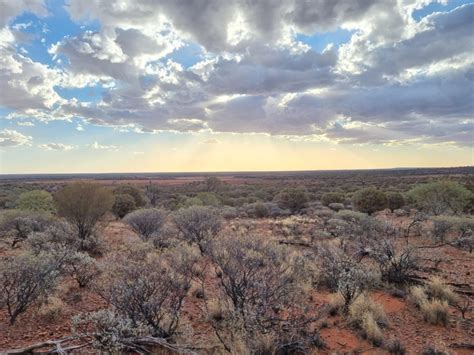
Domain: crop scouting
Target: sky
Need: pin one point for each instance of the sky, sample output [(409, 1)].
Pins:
[(235, 85)]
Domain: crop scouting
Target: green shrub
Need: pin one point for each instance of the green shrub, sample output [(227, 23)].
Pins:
[(369, 200), (123, 205), (132, 191), (332, 197), (36, 201), (294, 199), (441, 197)]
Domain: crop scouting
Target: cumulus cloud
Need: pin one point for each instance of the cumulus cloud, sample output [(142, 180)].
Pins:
[(396, 80), (12, 138), (56, 146)]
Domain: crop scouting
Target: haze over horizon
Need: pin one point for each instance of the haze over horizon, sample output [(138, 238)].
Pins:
[(181, 86)]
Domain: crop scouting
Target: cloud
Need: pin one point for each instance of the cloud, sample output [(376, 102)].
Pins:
[(55, 146), (98, 146), (211, 141), (11, 138), (395, 81)]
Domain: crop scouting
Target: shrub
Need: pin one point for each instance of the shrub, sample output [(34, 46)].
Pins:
[(123, 205), (363, 305), (146, 222), (57, 238), (36, 201), (257, 210), (208, 199), (198, 225), (132, 191), (26, 279), (332, 197), (17, 226), (213, 184), (83, 204), (258, 281), (148, 291), (435, 312), (294, 199), (336, 206), (83, 268), (396, 348), (153, 192), (436, 288), (110, 332), (369, 200), (371, 329), (396, 264), (395, 200), (441, 197)]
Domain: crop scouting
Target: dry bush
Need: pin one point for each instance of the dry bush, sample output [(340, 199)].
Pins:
[(148, 290), (396, 348), (198, 225), (83, 268), (371, 329), (258, 281), (56, 238), (123, 204), (369, 200), (434, 311), (364, 304), (436, 288), (52, 309), (17, 226), (110, 332), (343, 274), (26, 279), (396, 264), (146, 222)]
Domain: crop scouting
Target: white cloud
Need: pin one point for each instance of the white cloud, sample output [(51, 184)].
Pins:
[(98, 146), (56, 146), (11, 138)]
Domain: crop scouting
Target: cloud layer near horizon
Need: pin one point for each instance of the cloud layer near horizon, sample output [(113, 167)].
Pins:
[(396, 80)]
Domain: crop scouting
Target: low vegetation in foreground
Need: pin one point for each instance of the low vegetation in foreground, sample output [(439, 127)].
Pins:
[(291, 265)]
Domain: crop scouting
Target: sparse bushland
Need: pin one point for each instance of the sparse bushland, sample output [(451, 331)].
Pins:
[(27, 279), (292, 198), (123, 204), (462, 227), (153, 193), (36, 201), (83, 204), (198, 225), (369, 200), (147, 223), (441, 197)]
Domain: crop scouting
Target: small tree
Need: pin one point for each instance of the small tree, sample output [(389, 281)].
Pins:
[(294, 199), (198, 225), (83, 204), (123, 205), (213, 184), (369, 200), (395, 200), (145, 222), (441, 197), (36, 201), (132, 191)]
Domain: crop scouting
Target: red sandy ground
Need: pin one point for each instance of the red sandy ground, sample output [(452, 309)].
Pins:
[(405, 322)]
